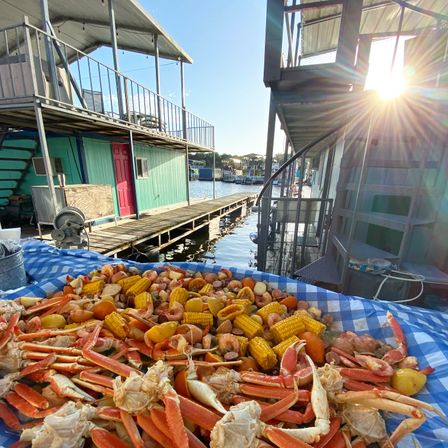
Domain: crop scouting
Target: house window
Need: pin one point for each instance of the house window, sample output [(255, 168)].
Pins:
[(142, 168)]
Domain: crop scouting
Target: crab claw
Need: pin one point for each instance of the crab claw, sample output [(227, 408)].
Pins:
[(201, 391)]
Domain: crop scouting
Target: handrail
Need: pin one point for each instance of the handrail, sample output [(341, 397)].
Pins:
[(51, 36), (87, 74), (301, 152)]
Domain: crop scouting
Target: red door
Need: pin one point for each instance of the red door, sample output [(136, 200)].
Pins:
[(123, 178)]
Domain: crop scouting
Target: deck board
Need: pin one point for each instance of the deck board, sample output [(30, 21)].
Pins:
[(114, 239)]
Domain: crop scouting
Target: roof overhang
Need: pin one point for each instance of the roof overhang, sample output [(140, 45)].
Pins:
[(320, 26), (84, 24)]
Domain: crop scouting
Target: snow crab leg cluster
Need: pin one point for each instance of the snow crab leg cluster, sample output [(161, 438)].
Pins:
[(182, 359)]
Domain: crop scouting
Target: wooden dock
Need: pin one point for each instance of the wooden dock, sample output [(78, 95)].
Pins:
[(164, 229)]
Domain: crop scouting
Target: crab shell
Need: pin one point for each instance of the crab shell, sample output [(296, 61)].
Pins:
[(365, 422)]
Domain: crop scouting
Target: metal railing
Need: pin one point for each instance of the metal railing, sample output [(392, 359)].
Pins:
[(298, 232), (292, 230), (87, 84)]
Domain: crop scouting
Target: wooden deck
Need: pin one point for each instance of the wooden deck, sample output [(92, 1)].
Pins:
[(166, 228)]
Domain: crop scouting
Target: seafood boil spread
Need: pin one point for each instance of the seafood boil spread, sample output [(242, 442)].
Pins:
[(177, 358)]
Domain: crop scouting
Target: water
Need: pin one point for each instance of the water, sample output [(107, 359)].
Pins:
[(234, 247), (200, 189)]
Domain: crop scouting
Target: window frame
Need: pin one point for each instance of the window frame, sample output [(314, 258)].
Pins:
[(142, 162)]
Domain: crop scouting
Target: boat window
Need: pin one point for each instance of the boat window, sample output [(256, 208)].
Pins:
[(142, 168)]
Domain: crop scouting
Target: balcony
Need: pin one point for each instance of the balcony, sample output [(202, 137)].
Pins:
[(81, 94)]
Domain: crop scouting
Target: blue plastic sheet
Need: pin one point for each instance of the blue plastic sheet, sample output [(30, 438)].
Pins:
[(426, 330)]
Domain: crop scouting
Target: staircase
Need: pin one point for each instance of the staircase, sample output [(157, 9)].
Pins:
[(16, 152)]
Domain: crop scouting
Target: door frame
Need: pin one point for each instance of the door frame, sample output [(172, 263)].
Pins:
[(135, 211)]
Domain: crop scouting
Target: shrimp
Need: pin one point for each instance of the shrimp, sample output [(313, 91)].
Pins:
[(228, 343), (175, 313), (273, 318)]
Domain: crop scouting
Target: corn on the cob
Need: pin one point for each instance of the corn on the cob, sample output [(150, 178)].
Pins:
[(160, 332), (273, 307), (140, 286), (194, 305), (198, 318), (249, 327), (280, 349), (127, 282), (286, 328), (93, 287), (311, 324), (116, 324), (142, 300), (230, 312), (215, 305), (206, 289), (244, 302), (178, 295), (244, 343), (263, 353)]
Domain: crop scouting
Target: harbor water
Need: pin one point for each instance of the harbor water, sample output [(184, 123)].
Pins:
[(234, 247)]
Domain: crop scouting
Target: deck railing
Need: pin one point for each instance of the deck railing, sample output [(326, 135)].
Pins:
[(79, 81)]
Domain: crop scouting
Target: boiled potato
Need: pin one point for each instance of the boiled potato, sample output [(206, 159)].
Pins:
[(408, 381)]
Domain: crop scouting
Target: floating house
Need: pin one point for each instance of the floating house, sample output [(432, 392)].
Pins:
[(379, 195), (76, 131)]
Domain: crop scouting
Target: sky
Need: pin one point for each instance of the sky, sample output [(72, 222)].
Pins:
[(224, 85)]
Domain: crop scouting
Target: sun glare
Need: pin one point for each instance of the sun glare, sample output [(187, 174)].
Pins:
[(391, 86)]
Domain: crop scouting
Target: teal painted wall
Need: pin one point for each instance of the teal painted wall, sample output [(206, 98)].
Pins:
[(100, 165), (166, 181), (64, 148), (164, 186)]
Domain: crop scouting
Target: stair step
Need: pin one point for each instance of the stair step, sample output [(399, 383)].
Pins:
[(15, 148), (12, 169), (7, 189), (14, 159)]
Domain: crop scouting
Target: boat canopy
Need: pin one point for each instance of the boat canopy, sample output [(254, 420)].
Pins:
[(320, 26), (85, 25)]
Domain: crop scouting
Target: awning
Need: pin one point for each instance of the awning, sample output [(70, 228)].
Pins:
[(320, 27), (84, 24)]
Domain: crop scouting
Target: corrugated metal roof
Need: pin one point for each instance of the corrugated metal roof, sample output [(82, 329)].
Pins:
[(84, 24), (321, 26)]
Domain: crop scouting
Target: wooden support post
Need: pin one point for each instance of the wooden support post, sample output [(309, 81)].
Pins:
[(264, 214), (187, 171), (182, 95), (134, 173), (273, 40), (46, 155), (113, 39), (49, 49), (157, 66), (349, 32), (362, 61), (213, 174)]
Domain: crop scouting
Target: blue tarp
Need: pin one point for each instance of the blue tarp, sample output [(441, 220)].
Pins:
[(425, 330)]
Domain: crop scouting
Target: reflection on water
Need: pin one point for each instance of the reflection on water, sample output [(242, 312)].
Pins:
[(234, 247), (204, 189)]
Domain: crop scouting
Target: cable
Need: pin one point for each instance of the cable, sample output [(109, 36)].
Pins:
[(88, 238), (413, 278)]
